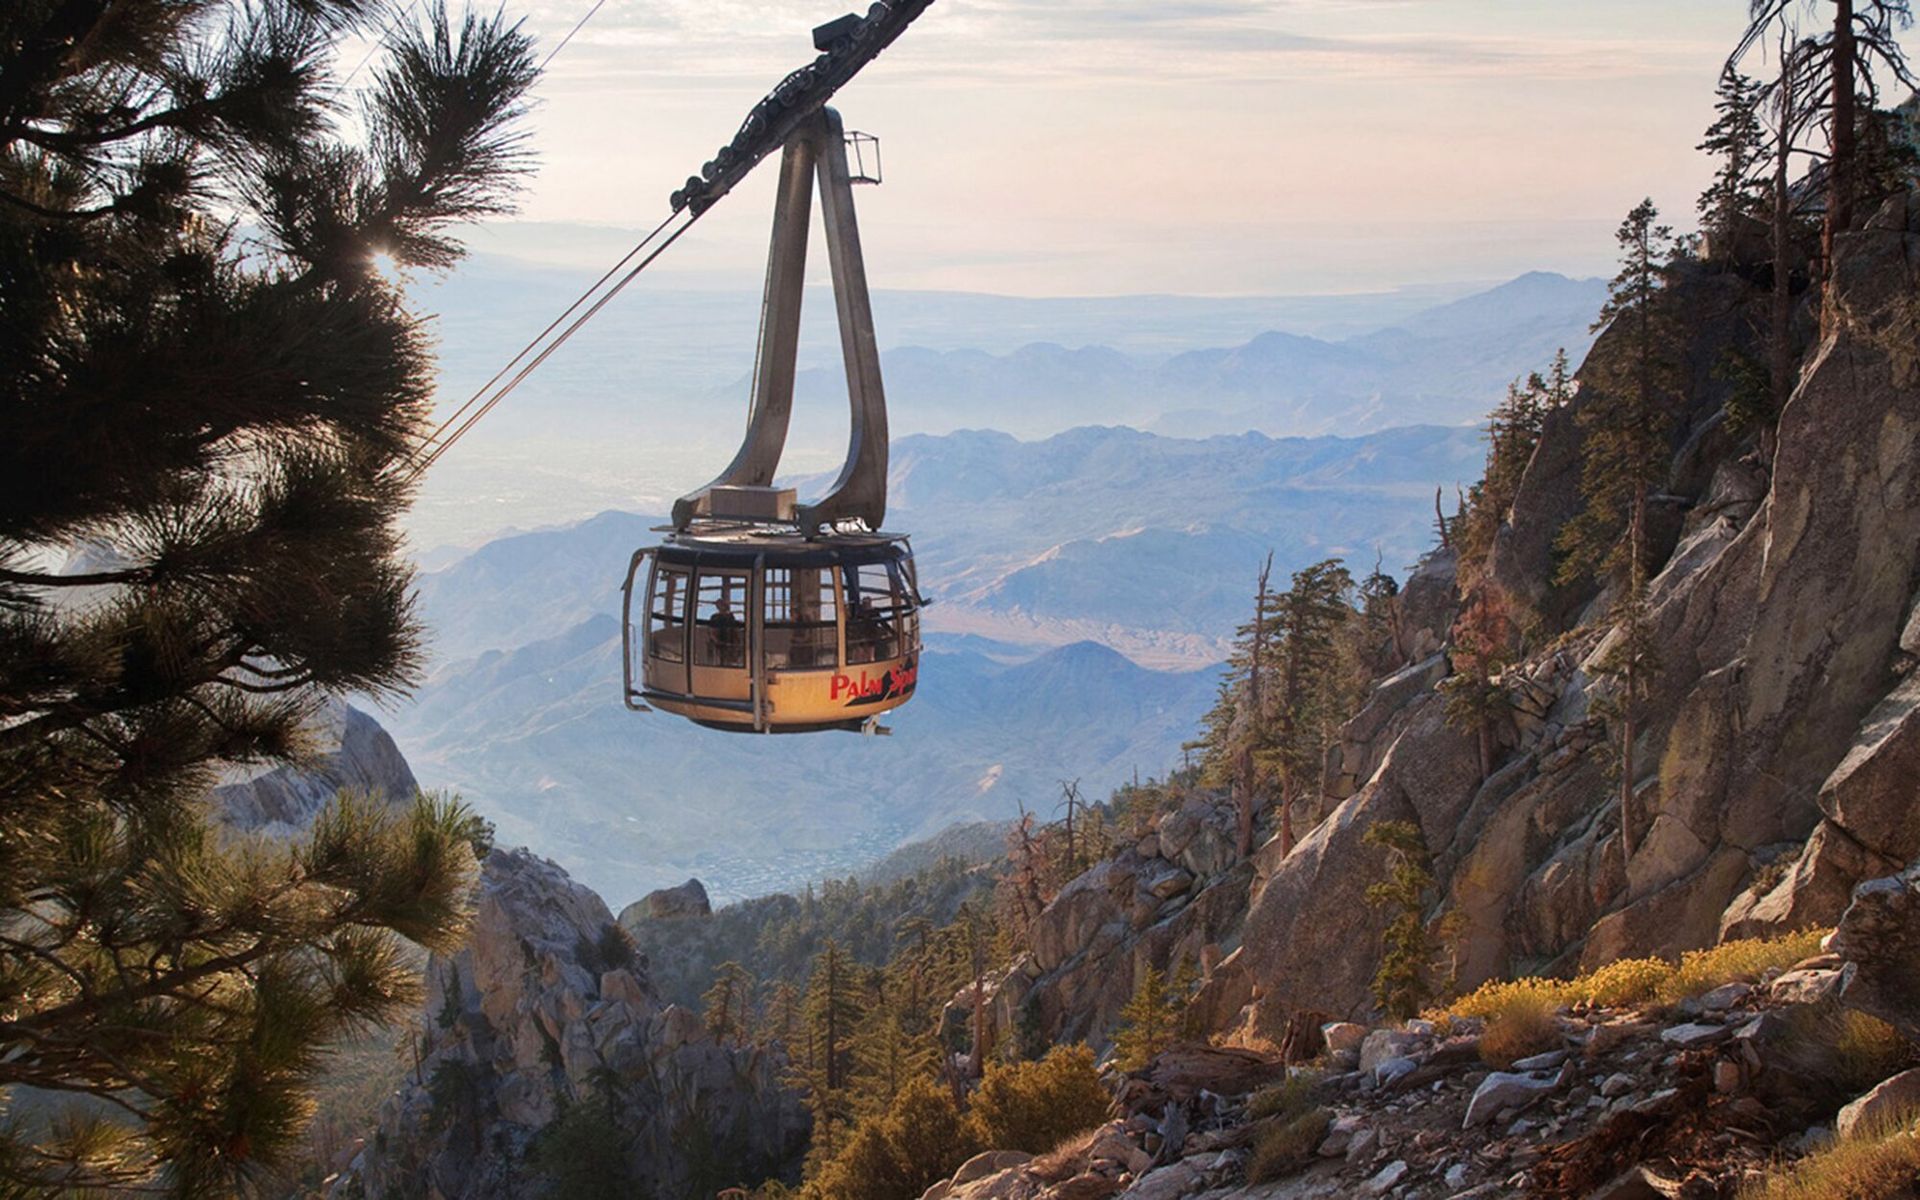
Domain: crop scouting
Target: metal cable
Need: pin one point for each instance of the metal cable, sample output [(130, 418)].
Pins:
[(577, 27), (420, 465), (597, 284)]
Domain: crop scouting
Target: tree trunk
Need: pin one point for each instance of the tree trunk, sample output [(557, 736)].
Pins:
[(978, 1057), (1840, 166), (1244, 809), (833, 1023), (1486, 749), (1257, 700), (1636, 586), (1780, 315), (1286, 818)]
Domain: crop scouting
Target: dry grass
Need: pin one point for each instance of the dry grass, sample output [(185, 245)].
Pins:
[(1523, 1027), (1065, 1159), (1881, 1165), (1738, 961), (1868, 1050), (1838, 1052), (1287, 1099), (1285, 1144)]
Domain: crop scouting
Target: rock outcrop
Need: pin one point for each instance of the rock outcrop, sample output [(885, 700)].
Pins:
[(1175, 896), (354, 753), (548, 1009), (671, 904), (1779, 745), (1879, 936)]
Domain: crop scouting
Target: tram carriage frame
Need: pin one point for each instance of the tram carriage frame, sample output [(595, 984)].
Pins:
[(824, 635)]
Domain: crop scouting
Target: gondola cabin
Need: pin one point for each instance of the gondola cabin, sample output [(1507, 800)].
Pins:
[(757, 629), (757, 612)]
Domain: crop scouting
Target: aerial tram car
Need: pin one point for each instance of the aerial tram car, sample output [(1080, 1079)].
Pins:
[(758, 612)]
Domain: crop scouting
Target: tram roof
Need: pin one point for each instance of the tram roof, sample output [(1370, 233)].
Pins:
[(779, 546)]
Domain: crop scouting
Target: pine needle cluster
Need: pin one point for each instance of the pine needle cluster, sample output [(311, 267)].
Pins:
[(207, 390)]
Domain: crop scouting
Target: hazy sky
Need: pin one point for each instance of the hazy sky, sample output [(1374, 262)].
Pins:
[(1083, 147)]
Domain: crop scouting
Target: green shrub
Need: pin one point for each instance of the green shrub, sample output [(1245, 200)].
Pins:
[(1034, 1106), (899, 1154), (582, 1155)]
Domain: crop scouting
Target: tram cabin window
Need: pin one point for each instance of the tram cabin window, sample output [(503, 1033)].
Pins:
[(873, 613), (720, 623), (801, 629), (666, 624)]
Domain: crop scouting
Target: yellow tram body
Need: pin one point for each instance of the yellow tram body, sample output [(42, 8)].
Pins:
[(762, 630)]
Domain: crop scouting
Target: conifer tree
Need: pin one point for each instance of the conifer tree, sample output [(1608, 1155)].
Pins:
[(1475, 698), (1513, 431), (1147, 1022), (1380, 618), (781, 1020), (1633, 375), (1239, 726), (1281, 694), (891, 1049), (206, 393), (1402, 984), (1307, 619), (1735, 138), (832, 1014), (728, 1002)]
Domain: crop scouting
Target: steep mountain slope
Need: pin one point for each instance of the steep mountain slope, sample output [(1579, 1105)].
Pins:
[(1776, 747)]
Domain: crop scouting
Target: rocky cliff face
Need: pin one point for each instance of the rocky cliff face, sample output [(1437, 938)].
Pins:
[(549, 1009), (1175, 896), (1779, 751), (1777, 755), (355, 753)]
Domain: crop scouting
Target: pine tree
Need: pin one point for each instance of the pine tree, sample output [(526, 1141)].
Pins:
[(217, 418), (1481, 649), (1380, 619), (727, 1002), (891, 1049), (781, 1020), (1402, 984), (1514, 429), (1632, 372), (1147, 1022), (1735, 138), (1307, 620)]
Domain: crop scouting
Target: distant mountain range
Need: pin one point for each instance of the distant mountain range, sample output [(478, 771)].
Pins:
[(648, 400), (1443, 366), (1042, 557)]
